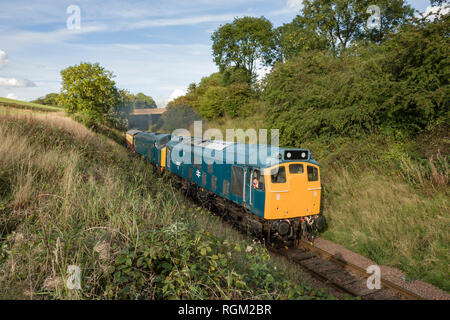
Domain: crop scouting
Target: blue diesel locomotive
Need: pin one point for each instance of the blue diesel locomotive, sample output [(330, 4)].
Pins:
[(268, 193)]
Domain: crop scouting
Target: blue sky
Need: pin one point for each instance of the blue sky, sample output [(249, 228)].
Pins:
[(154, 47)]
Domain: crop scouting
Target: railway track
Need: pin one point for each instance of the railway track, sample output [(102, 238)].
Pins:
[(344, 277)]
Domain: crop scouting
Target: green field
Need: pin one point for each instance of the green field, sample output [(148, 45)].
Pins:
[(28, 105)]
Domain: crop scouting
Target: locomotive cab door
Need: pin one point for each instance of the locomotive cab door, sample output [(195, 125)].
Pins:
[(314, 189), (255, 191), (248, 189)]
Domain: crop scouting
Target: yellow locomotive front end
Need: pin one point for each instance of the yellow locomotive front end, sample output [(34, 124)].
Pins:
[(293, 191), (293, 200)]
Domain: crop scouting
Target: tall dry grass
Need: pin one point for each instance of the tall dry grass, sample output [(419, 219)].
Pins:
[(390, 221), (431, 175)]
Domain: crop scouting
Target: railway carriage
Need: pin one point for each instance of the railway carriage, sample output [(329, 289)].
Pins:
[(150, 145), (268, 193)]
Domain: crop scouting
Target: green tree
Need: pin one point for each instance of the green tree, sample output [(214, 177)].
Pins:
[(344, 21), (143, 101), (212, 103), (234, 75), (50, 99), (89, 89), (295, 37), (417, 60), (177, 116), (243, 43), (393, 14), (126, 103), (401, 85)]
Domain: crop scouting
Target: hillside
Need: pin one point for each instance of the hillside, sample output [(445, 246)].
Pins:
[(72, 197), (27, 105)]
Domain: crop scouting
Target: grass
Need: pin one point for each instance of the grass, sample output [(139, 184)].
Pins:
[(388, 202), (28, 105), (389, 221), (69, 196)]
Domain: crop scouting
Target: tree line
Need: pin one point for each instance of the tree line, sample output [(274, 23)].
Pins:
[(330, 74)]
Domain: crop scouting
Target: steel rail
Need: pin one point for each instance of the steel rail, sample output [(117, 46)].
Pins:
[(404, 292)]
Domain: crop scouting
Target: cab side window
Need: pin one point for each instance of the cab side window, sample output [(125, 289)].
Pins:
[(278, 175), (313, 174), (164, 141), (257, 180)]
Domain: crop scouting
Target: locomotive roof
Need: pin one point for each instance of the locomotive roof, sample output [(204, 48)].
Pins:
[(269, 157), (133, 132)]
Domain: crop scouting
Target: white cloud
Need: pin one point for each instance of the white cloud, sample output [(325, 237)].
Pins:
[(261, 70), (292, 6), (21, 39), (3, 59), (170, 22), (16, 83), (12, 96), (162, 102), (177, 93), (433, 11), (295, 4)]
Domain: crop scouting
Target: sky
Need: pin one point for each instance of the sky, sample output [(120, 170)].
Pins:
[(154, 47)]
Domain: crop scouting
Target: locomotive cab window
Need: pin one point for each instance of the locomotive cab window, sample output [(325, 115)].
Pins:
[(164, 141), (296, 169), (278, 175), (257, 180), (313, 174)]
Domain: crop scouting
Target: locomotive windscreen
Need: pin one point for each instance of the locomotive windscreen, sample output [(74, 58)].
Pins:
[(296, 155)]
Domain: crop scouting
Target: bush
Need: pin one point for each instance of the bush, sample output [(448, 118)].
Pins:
[(402, 84), (183, 263), (176, 117), (212, 103)]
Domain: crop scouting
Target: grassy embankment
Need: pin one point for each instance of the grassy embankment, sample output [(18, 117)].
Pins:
[(69, 196), (387, 203), (386, 198), (27, 105)]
